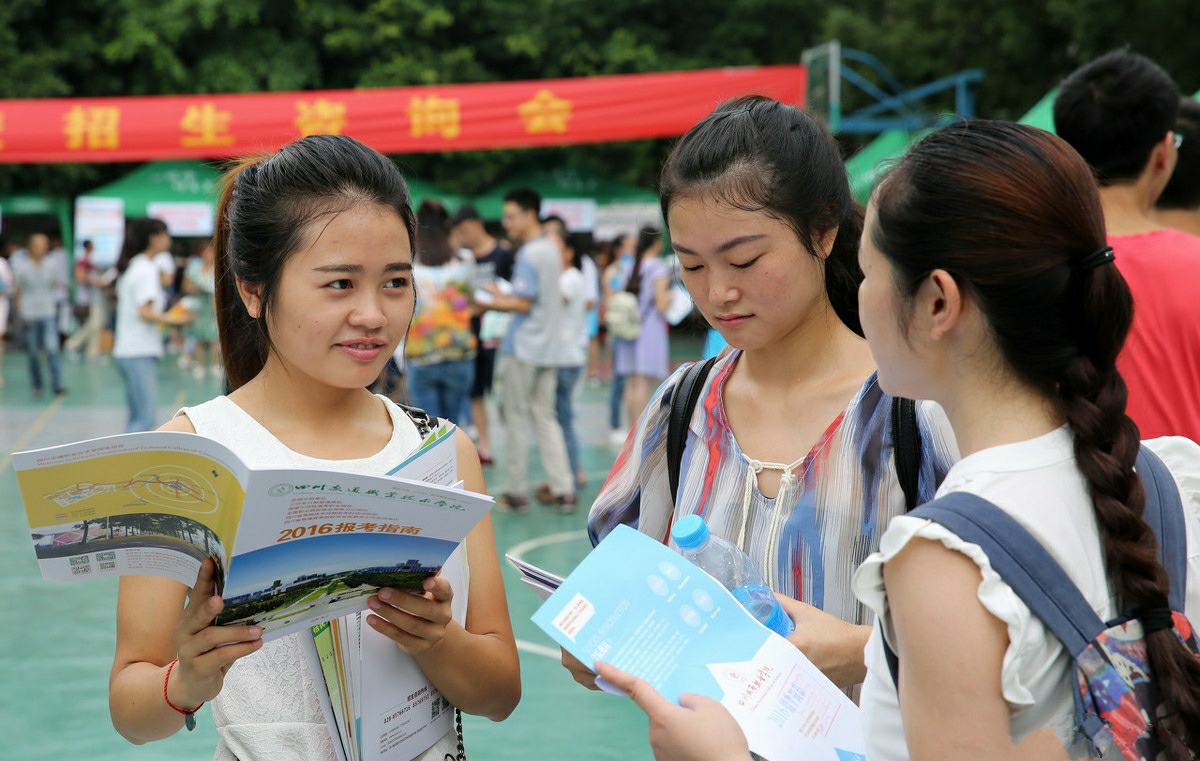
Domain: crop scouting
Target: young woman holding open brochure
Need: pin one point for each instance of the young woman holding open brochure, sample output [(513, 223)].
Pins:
[(314, 292), (989, 287)]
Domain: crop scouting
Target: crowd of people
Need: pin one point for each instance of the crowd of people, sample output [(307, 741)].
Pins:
[(1036, 294)]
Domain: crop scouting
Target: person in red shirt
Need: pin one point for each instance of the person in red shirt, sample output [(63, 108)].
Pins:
[(1119, 112)]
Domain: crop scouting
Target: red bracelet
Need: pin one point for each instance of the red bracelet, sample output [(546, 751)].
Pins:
[(189, 717)]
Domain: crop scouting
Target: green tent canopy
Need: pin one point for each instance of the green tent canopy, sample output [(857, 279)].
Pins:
[(162, 182), (565, 183), (1042, 114), (36, 205), (865, 167)]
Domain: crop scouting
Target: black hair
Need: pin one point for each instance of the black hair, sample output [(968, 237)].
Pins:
[(1183, 189), (647, 237), (1009, 211), (760, 155), (1113, 111), (266, 206), (432, 246), (527, 199), (138, 232)]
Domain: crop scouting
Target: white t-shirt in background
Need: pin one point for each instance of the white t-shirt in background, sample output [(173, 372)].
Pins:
[(139, 284)]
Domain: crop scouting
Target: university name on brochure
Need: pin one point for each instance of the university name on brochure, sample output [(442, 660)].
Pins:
[(280, 490)]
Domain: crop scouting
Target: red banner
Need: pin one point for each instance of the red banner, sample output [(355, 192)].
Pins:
[(392, 120)]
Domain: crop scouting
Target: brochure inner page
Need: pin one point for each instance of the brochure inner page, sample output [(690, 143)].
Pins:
[(152, 503), (646, 609)]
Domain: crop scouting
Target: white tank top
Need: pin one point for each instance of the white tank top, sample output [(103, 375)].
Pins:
[(268, 707)]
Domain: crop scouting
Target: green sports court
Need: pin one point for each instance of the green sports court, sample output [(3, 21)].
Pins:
[(58, 638)]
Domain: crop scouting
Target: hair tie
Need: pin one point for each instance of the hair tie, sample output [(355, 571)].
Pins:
[(1156, 619), (1095, 259)]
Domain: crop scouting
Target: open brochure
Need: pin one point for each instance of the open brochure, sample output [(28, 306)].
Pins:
[(542, 582), (647, 610), (378, 703), (294, 547)]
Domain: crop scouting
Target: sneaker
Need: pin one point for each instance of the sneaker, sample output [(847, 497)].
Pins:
[(513, 503), (60, 391), (486, 459), (617, 437), (566, 504), (544, 495)]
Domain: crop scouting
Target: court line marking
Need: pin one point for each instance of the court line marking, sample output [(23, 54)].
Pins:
[(34, 428), (519, 550)]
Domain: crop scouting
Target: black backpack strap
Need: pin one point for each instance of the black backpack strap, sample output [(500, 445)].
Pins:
[(683, 402), (1164, 513), (906, 449)]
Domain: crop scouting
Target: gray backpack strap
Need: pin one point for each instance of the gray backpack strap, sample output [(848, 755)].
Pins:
[(1164, 513), (1036, 576)]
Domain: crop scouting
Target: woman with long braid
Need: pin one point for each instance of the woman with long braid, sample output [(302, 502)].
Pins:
[(989, 288)]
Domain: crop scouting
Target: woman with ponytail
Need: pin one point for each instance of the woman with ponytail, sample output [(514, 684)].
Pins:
[(989, 288), (789, 451), (314, 292)]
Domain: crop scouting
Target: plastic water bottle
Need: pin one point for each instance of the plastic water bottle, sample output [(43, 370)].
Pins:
[(734, 569)]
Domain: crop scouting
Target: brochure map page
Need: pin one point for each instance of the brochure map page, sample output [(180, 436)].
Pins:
[(647, 610), (131, 504)]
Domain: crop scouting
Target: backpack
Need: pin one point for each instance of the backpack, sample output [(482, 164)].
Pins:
[(1114, 696), (622, 316), (906, 436)]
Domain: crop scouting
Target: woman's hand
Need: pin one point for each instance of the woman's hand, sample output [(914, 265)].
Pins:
[(698, 729), (206, 651), (834, 646), (415, 622), (579, 672)]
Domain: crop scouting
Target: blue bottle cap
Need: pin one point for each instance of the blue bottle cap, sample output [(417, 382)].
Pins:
[(689, 532)]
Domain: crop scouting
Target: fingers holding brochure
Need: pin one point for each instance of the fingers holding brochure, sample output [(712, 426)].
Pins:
[(206, 651), (415, 622), (698, 729)]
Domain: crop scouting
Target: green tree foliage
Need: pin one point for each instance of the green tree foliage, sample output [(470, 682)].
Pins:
[(62, 48)]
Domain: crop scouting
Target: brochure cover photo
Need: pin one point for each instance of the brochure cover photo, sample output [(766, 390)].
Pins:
[(294, 547)]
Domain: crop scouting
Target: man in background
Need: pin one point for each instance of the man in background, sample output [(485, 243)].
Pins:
[(533, 351), (38, 281), (1119, 113), (1179, 204), (493, 261)]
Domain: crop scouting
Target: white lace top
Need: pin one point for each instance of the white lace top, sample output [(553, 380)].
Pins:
[(268, 708), (1038, 483)]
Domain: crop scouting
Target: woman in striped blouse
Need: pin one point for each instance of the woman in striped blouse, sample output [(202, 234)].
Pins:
[(789, 451)]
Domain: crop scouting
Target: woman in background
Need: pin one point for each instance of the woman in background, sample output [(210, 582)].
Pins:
[(199, 285), (440, 350), (644, 361)]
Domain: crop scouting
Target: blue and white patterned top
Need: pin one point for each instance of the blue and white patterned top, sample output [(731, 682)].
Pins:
[(806, 546)]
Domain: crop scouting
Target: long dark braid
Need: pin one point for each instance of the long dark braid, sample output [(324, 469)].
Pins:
[(1013, 215)]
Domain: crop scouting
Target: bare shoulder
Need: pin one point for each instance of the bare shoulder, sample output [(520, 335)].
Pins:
[(180, 423)]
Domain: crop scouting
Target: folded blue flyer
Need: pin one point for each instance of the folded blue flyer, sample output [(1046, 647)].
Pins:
[(646, 609)]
